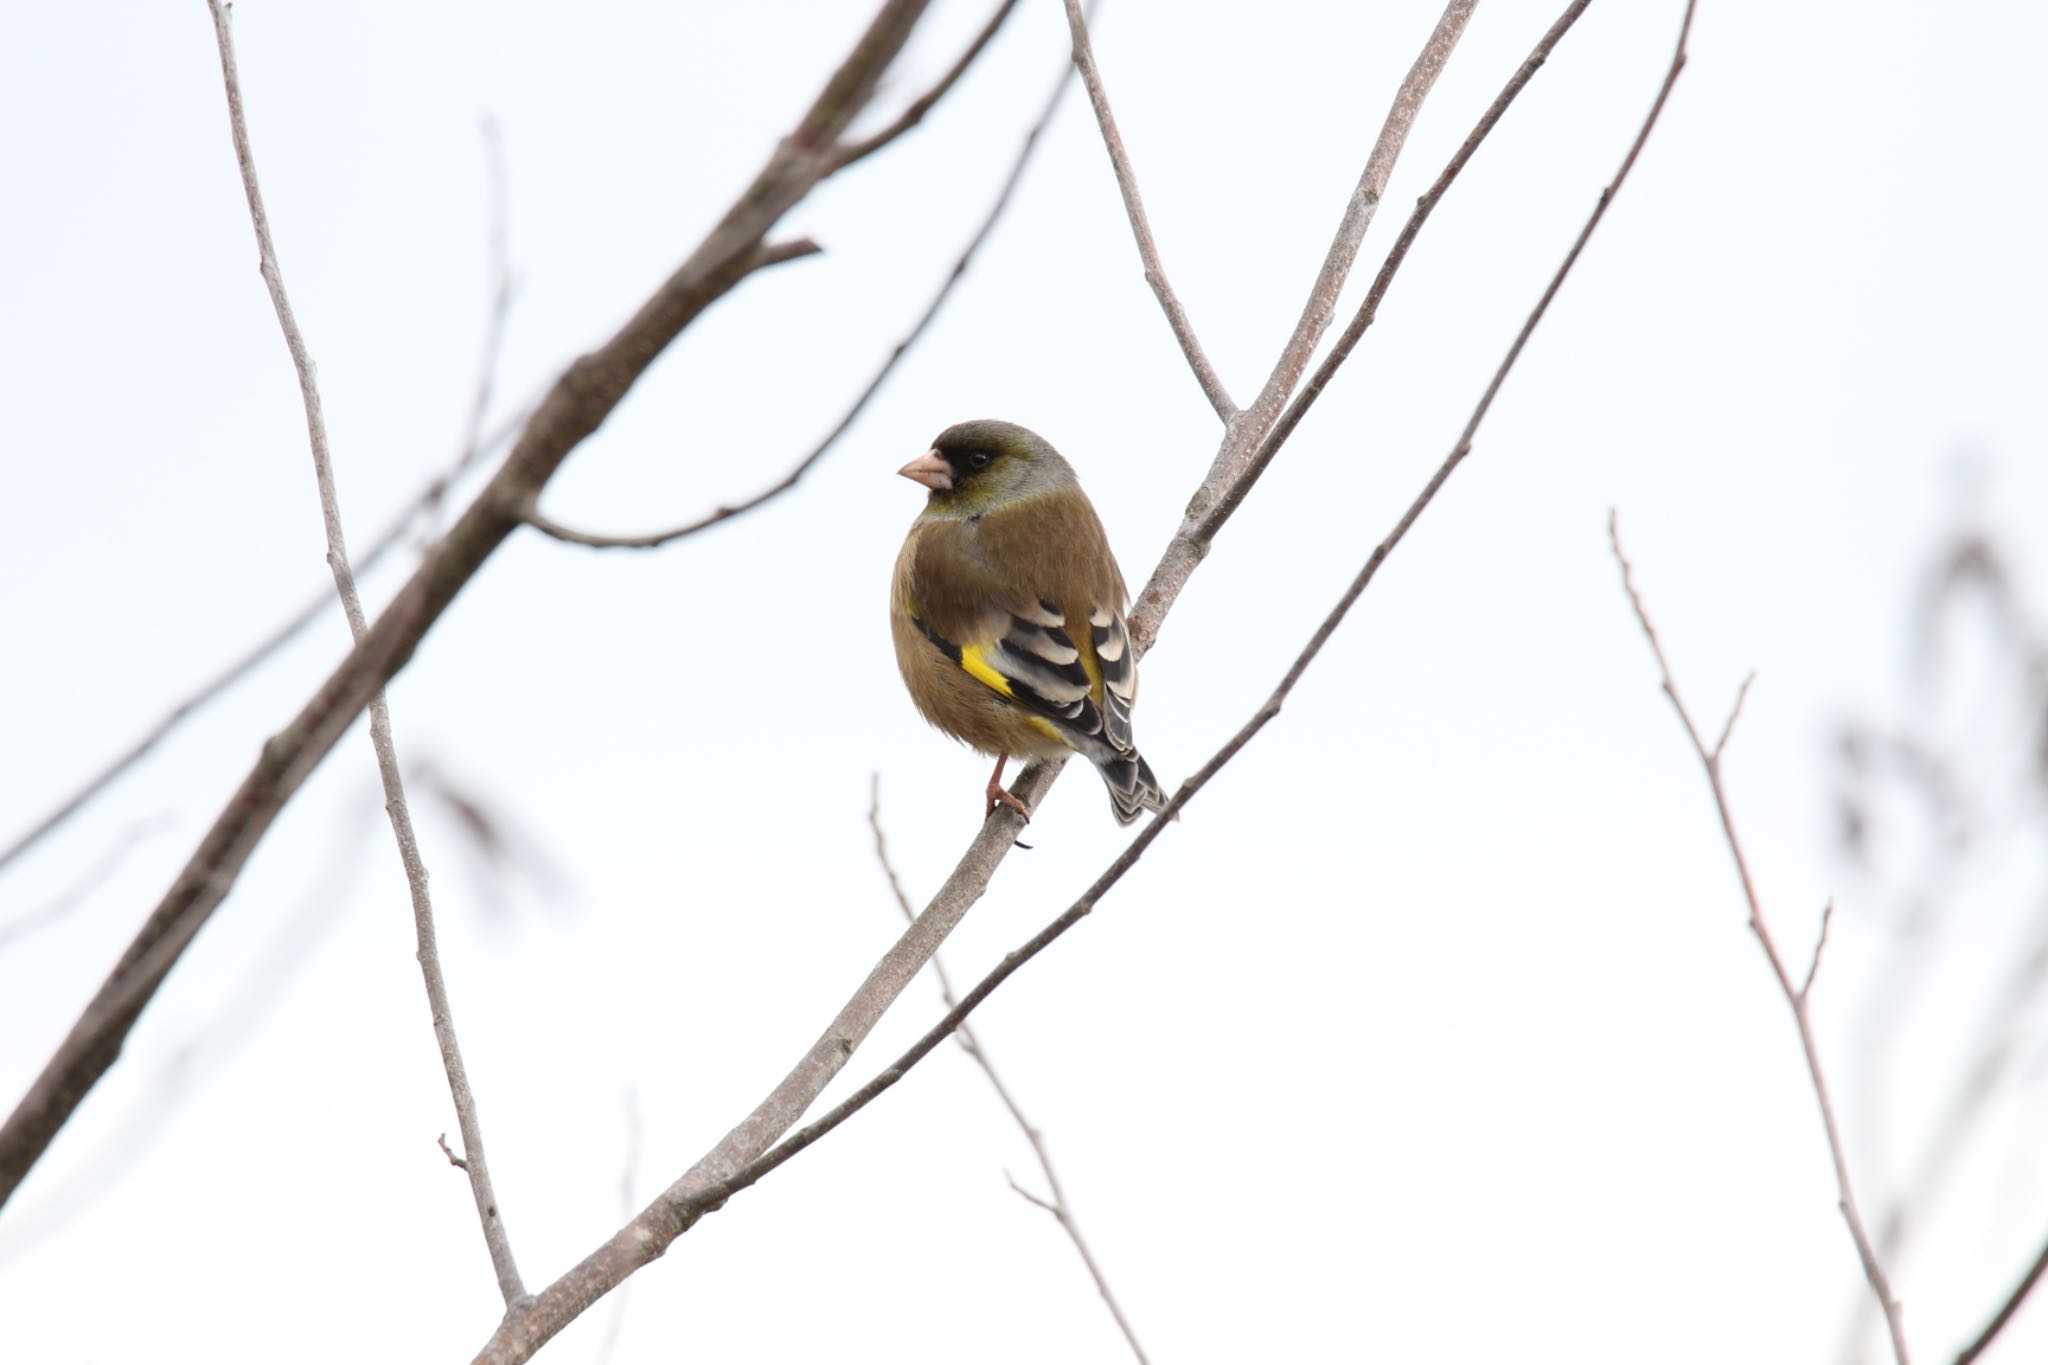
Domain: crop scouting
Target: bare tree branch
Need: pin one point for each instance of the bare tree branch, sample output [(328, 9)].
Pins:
[(913, 114), (2006, 1310), (1795, 997), (970, 1043), (473, 1162), (574, 407), (1141, 227), (726, 1169), (548, 526)]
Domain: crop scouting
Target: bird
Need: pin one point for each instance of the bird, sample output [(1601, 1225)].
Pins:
[(1007, 611)]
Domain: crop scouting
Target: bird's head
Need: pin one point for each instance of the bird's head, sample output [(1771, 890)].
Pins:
[(975, 466)]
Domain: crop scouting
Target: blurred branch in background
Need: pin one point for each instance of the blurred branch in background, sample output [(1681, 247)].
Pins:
[(501, 851), (1061, 1211), (28, 921), (1797, 997), (243, 1010), (1931, 808), (239, 1014)]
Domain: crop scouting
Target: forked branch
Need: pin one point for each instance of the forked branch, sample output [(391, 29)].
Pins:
[(1795, 993), (970, 1043), (1141, 224)]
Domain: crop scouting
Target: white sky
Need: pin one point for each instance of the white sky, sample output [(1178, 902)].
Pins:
[(1432, 1034)]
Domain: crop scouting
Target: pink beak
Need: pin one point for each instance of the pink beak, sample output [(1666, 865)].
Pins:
[(931, 470)]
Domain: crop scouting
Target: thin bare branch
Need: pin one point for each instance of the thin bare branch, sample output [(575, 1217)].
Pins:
[(1035, 1200), (1734, 714), (441, 1141), (1827, 912), (575, 406), (473, 1163), (725, 1171), (2006, 1310), (913, 114), (1058, 1207), (1795, 997), (549, 526), (1141, 227)]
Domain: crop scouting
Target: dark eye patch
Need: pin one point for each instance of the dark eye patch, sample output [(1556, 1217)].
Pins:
[(978, 459)]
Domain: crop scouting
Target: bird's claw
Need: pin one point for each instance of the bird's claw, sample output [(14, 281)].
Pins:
[(998, 797)]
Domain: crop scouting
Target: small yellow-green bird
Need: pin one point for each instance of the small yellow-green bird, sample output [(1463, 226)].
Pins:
[(1008, 612)]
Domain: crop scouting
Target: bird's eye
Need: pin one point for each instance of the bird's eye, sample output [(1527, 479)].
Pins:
[(978, 459)]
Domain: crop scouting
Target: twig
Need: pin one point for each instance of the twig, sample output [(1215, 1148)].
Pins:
[(2005, 1312), (1141, 227), (473, 1160), (970, 1043), (441, 1141), (725, 1170), (914, 112), (575, 405), (1827, 912), (1795, 997)]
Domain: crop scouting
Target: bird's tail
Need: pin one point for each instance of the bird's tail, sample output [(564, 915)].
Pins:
[(1133, 789)]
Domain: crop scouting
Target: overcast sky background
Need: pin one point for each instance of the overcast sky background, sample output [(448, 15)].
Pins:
[(1432, 1033)]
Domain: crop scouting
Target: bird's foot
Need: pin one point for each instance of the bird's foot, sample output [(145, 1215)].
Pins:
[(998, 797)]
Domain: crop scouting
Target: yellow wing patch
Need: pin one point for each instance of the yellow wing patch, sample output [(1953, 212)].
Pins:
[(1049, 730), (974, 658)]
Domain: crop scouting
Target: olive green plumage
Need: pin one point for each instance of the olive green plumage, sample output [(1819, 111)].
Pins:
[(1007, 610)]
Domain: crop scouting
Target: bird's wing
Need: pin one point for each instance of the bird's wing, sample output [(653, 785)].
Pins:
[(1027, 626), (1111, 642)]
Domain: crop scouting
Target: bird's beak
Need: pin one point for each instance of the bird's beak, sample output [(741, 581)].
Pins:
[(931, 470)]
